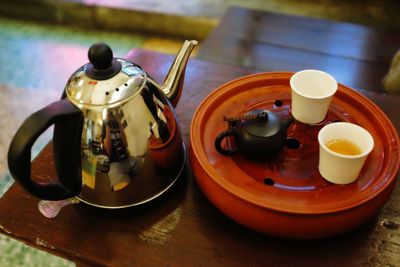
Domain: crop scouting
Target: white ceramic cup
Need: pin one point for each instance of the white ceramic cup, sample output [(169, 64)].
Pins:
[(312, 92), (340, 168)]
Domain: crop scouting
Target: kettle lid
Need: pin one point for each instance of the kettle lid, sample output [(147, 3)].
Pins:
[(102, 64), (104, 80)]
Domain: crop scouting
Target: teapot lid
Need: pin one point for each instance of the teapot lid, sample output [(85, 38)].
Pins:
[(265, 125), (104, 80)]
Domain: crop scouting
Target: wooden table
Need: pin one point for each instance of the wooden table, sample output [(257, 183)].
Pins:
[(183, 228), (355, 55)]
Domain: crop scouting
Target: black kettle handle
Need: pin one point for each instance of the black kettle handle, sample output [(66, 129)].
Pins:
[(67, 120)]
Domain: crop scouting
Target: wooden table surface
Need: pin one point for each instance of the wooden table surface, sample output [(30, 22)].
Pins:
[(183, 228), (355, 55)]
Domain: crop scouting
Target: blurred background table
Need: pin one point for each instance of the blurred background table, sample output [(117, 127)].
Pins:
[(356, 55), (183, 228)]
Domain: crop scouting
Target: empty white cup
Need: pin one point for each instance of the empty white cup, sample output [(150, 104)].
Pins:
[(312, 92), (339, 168)]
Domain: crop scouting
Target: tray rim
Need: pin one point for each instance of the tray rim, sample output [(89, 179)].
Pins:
[(201, 156)]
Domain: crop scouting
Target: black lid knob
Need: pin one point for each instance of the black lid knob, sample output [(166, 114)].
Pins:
[(102, 64), (262, 116), (101, 56)]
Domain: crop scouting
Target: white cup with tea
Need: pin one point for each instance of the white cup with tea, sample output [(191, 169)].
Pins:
[(343, 149), (312, 92)]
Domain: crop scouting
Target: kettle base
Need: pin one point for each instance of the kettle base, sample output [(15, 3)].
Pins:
[(150, 185)]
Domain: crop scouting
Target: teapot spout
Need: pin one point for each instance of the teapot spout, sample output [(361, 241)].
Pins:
[(173, 83), (287, 122)]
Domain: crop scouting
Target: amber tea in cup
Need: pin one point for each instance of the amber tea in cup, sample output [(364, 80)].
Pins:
[(343, 149), (343, 146)]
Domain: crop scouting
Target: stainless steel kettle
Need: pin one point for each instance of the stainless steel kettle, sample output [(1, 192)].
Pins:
[(116, 141)]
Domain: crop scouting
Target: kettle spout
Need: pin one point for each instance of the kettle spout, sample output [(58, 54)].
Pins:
[(173, 83)]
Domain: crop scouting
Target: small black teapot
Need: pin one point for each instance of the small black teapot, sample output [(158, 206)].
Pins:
[(259, 134)]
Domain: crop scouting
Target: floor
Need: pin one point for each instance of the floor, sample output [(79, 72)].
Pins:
[(192, 18), (37, 58), (378, 13)]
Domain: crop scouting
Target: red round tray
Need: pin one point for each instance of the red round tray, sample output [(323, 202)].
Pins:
[(288, 197)]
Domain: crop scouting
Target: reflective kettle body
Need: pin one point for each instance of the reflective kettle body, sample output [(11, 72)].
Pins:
[(116, 139), (124, 129)]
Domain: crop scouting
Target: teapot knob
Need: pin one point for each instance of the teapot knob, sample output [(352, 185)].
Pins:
[(100, 55), (102, 65), (262, 116)]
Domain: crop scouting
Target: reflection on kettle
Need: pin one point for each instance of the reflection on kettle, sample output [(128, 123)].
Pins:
[(161, 148), (122, 165), (110, 114)]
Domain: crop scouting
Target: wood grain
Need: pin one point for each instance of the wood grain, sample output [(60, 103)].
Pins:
[(355, 55), (183, 228)]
